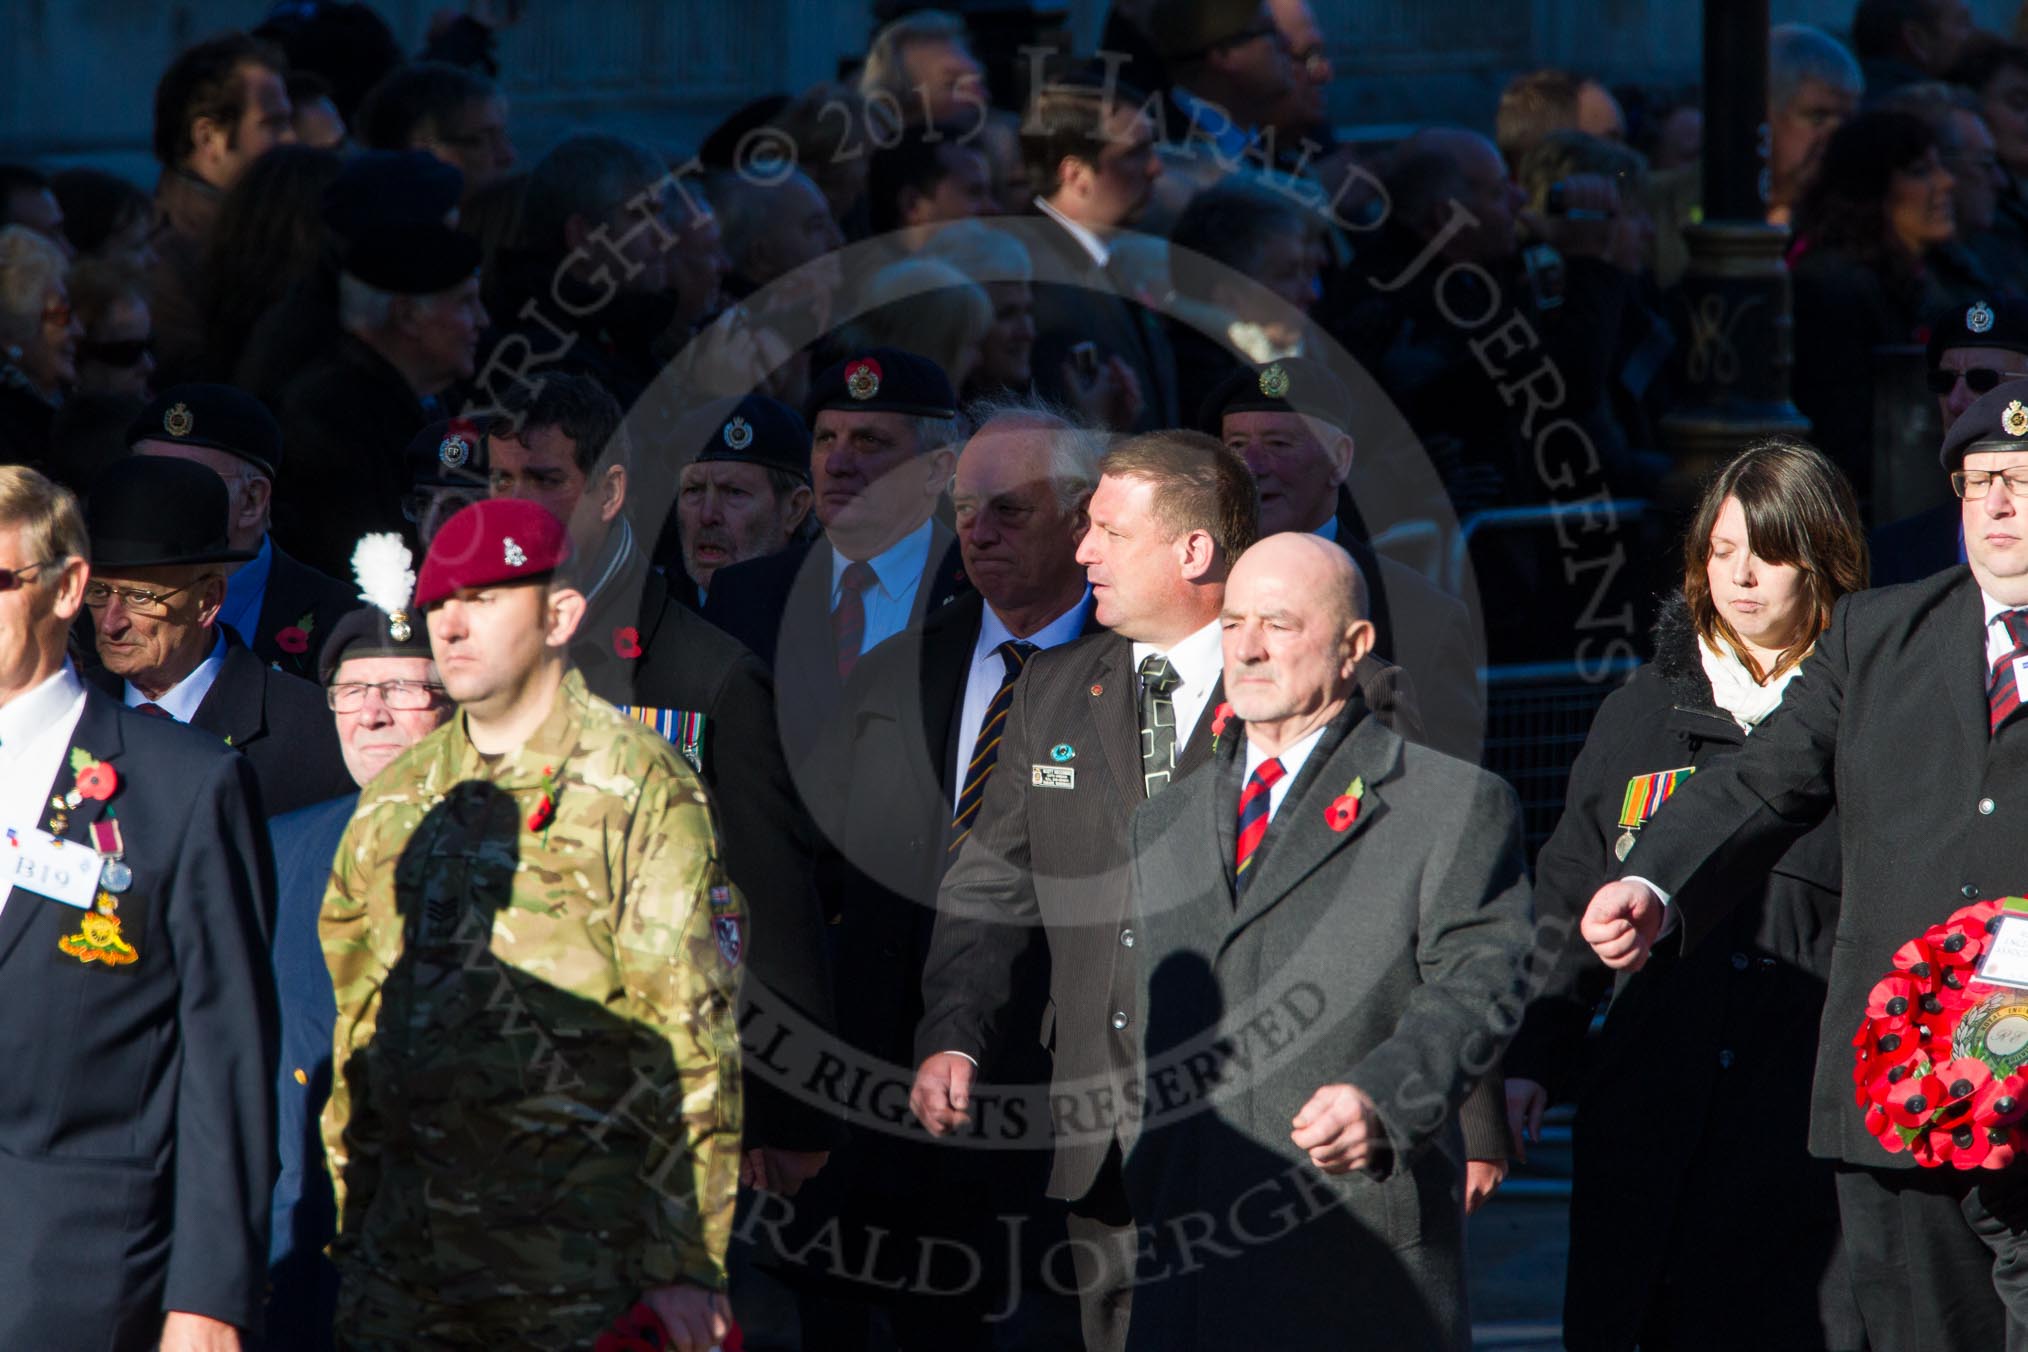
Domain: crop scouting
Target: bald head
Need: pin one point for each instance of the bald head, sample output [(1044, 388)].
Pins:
[(1449, 182), (1294, 628)]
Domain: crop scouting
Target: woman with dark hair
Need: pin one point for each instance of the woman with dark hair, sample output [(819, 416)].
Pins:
[(1693, 1111), (1880, 202), (104, 216), (269, 235)]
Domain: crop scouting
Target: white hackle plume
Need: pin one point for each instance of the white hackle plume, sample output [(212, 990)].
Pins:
[(385, 571)]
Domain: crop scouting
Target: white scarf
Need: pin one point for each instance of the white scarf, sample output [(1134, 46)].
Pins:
[(1734, 689)]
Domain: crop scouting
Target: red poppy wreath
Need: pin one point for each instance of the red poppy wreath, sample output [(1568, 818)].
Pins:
[(1941, 1059)]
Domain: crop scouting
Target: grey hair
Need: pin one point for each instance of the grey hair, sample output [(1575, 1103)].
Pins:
[(886, 69), (1075, 450), (933, 434), (361, 306), (589, 175), (1797, 52), (30, 268)]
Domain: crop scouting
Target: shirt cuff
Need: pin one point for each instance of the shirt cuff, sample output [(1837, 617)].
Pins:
[(1668, 911), (953, 1051)]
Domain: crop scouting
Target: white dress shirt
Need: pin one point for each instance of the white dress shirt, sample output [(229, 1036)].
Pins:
[(1100, 251), (35, 731), (1292, 758), (180, 700), (890, 601), (988, 670), (1199, 661)]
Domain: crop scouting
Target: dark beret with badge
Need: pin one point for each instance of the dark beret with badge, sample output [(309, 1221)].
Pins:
[(389, 624), (761, 431), (1996, 421), (1292, 385), (885, 380), (2000, 322), (379, 188), (421, 259), (449, 453), (490, 543), (217, 416), (153, 511)]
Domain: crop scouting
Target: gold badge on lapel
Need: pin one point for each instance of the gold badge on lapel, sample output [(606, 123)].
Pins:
[(98, 937)]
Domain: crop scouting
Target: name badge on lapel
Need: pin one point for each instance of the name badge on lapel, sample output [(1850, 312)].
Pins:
[(1052, 777), (58, 869)]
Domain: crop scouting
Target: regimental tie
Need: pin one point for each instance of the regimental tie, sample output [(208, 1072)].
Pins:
[(154, 710), (1014, 655), (848, 619), (1255, 802), (1159, 680), (2004, 690)]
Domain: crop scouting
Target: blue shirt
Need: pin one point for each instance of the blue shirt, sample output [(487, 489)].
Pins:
[(898, 572), (245, 590)]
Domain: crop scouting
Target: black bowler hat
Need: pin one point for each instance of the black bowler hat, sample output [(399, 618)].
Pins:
[(412, 260), (761, 431), (1999, 322), (450, 453), (1996, 421), (149, 511), (217, 416), (885, 380), (1291, 385), (379, 188)]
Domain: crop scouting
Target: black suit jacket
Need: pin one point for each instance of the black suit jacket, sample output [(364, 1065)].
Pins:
[(1384, 954), (1077, 301), (279, 722), (779, 606), (688, 665), (345, 422), (137, 1108), (1427, 632), (1055, 858), (296, 592), (1887, 722)]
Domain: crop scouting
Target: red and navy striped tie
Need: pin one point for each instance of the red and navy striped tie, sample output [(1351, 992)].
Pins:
[(2006, 689), (1253, 820), (1014, 655)]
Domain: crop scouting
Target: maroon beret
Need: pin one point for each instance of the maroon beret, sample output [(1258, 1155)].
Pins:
[(488, 543)]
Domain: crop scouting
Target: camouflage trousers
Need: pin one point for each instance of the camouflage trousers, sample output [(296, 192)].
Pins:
[(376, 1314)]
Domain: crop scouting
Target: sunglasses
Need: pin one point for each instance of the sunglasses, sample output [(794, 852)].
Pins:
[(10, 578), (1979, 379), (117, 352)]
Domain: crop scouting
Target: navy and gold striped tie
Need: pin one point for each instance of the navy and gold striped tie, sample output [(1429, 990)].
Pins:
[(1014, 655)]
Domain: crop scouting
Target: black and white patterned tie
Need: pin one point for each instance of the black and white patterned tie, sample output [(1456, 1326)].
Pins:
[(1158, 722)]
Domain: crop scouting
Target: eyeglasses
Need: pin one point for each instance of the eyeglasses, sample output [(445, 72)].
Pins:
[(118, 352), (405, 696), (10, 578), (1973, 484), (137, 600), (1979, 379)]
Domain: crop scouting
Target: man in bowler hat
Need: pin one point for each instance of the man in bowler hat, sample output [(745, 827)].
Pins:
[(159, 550)]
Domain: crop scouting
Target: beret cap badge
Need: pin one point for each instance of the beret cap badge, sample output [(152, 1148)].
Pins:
[(2015, 419), (1979, 317), (862, 379), (1274, 381), (177, 422), (453, 451), (513, 553), (738, 434)]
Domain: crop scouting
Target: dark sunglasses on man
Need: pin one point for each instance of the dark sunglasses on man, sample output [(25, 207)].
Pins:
[(121, 352), (1979, 379)]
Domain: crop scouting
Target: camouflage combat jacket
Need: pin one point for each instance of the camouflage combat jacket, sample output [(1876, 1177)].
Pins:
[(536, 959)]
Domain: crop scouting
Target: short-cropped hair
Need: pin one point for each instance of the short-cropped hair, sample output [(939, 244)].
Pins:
[(1200, 485), (47, 515)]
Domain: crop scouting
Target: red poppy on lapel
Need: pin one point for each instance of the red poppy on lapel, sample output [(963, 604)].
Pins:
[(292, 640), (97, 781), (627, 641), (1344, 809)]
